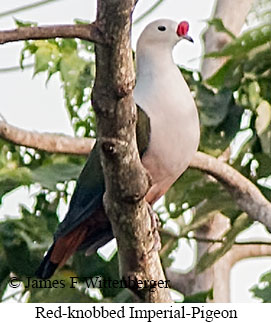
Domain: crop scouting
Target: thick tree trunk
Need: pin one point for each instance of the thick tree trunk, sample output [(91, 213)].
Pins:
[(125, 178)]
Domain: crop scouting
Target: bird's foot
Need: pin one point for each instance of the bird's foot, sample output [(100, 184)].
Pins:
[(155, 224)]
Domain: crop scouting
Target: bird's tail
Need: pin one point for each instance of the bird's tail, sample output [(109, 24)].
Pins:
[(47, 267), (60, 251), (91, 234)]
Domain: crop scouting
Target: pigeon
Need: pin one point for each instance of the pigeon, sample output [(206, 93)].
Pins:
[(167, 133)]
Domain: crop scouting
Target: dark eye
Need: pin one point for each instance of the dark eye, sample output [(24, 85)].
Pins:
[(162, 28)]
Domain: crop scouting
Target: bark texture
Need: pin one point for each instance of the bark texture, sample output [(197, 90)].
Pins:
[(86, 32), (126, 180), (52, 143), (219, 274)]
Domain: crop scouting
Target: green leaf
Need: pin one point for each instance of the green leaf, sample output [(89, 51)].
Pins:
[(214, 140), (18, 256), (61, 293), (258, 62), (265, 86), (253, 92), (188, 189), (42, 59), (47, 57), (77, 74), (21, 23), (12, 178), (99, 267), (71, 68), (49, 175), (4, 271), (263, 292), (229, 75), (201, 297), (125, 296), (219, 26), (264, 168), (213, 108), (82, 21), (246, 42), (24, 242), (266, 278), (29, 47), (68, 45)]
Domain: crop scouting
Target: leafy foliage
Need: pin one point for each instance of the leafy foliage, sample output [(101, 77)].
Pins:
[(219, 26), (74, 61), (201, 297), (263, 290), (231, 102), (241, 87)]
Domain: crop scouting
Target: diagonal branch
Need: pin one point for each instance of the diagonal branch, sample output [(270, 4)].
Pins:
[(245, 193), (247, 196), (238, 253), (148, 11), (184, 282), (88, 32), (25, 7)]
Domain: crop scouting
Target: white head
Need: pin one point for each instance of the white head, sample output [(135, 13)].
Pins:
[(163, 32)]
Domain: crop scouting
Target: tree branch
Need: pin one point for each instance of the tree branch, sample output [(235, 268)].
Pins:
[(245, 193), (233, 14), (247, 196), (148, 11), (238, 253), (213, 240), (15, 68), (51, 143), (88, 32), (185, 282)]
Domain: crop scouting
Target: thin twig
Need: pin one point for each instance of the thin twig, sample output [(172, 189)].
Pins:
[(26, 7), (146, 13), (208, 240), (14, 68)]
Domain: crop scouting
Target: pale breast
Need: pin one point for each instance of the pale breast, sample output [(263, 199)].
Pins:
[(173, 142), (174, 137)]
